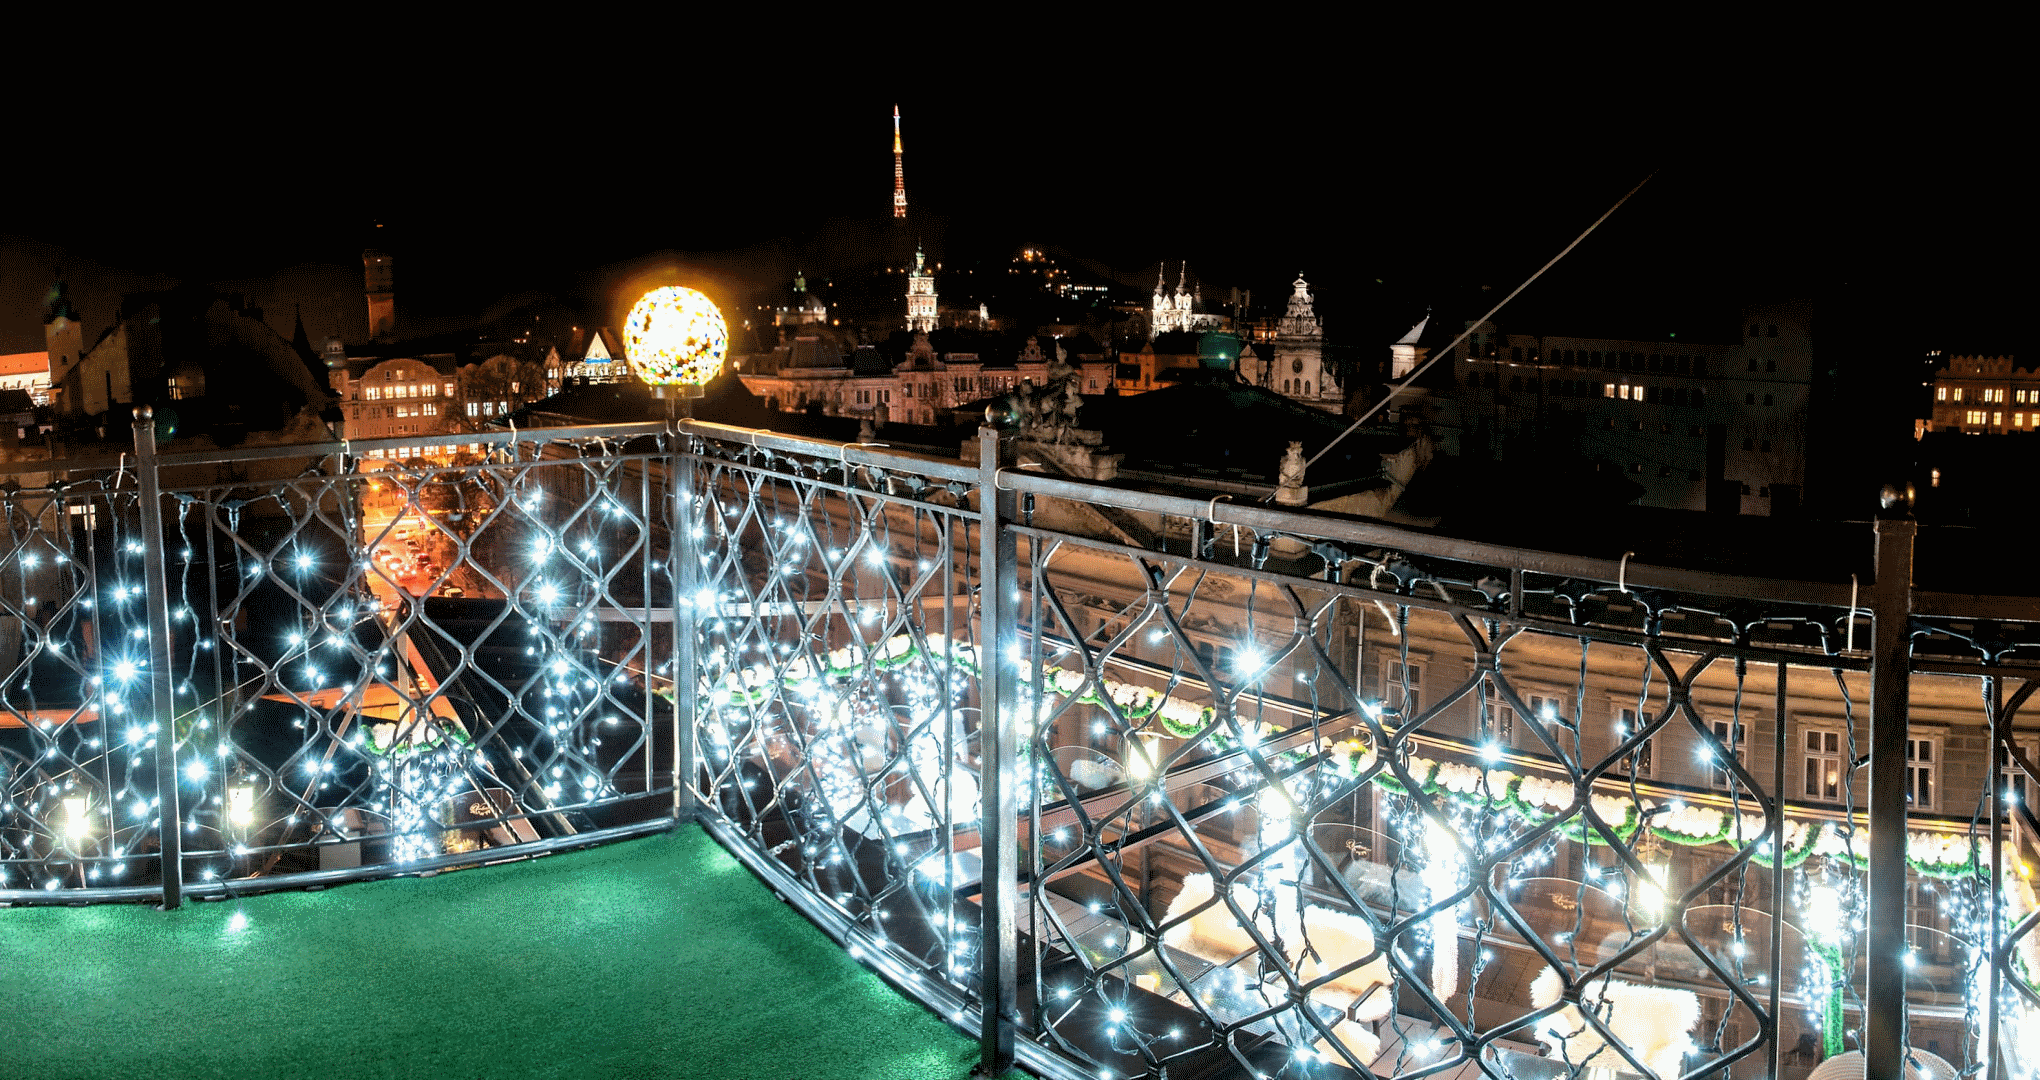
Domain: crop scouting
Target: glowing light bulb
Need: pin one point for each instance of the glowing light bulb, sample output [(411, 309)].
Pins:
[(241, 805), (77, 818)]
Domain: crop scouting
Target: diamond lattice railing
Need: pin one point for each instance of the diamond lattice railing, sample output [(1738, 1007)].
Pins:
[(391, 665), (1311, 798), (1296, 807), (77, 788), (1309, 825), (838, 717)]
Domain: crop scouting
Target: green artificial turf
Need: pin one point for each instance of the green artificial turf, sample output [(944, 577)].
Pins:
[(659, 957)]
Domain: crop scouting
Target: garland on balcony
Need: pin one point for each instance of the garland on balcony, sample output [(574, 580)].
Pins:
[(1944, 856), (416, 737)]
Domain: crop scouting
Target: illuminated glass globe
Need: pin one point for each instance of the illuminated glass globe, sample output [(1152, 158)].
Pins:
[(675, 336)]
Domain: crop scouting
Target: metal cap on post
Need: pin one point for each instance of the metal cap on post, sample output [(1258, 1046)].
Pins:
[(1890, 696), (162, 698)]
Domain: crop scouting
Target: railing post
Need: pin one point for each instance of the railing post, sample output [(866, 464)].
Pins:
[(162, 697), (686, 555), (998, 741), (1890, 691)]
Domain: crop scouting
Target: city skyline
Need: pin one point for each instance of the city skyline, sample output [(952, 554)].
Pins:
[(1407, 211)]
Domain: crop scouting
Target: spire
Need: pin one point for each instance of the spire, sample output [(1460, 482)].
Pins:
[(57, 302), (899, 172), (1416, 331), (300, 340)]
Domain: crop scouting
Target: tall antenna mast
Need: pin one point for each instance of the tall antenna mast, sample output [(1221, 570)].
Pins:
[(899, 172)]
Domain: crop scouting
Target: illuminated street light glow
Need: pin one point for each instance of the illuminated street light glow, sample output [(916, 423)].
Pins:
[(675, 336)]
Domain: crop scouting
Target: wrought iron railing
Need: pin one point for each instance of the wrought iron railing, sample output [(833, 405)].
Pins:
[(369, 662), (1125, 783), (1139, 785)]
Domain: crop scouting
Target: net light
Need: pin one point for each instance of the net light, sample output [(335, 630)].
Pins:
[(675, 336)]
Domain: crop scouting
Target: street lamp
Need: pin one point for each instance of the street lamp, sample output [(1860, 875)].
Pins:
[(675, 340)]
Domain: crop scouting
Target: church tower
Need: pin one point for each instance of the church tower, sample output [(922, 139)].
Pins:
[(899, 171), (63, 336), (1299, 364), (1404, 356), (920, 295), (379, 272)]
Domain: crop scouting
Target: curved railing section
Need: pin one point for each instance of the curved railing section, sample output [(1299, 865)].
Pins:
[(1141, 785), (1126, 783)]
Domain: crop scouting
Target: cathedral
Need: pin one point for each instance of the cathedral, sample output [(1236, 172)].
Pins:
[(1179, 312)]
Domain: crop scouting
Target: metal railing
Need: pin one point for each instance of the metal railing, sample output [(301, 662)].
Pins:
[(366, 663), (1124, 783), (1303, 795)]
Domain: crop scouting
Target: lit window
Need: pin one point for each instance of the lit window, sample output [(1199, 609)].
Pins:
[(1997, 419), (1735, 741), (1941, 393), (1639, 762), (1922, 772), (1610, 390), (2016, 790), (1822, 765), (1501, 719), (1958, 393), (1394, 674), (373, 393)]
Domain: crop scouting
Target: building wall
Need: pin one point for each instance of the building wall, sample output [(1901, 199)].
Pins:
[(1986, 395), (397, 397), (28, 372), (102, 378), (910, 394), (1669, 414)]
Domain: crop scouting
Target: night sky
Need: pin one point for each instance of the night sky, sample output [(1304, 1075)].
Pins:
[(1390, 207)]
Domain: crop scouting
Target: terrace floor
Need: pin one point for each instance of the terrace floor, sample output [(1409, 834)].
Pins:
[(650, 958)]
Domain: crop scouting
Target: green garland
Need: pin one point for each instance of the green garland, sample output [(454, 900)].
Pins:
[(436, 735), (1139, 703), (1831, 1014)]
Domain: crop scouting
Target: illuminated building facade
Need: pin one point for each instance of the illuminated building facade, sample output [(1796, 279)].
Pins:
[(1298, 366), (1179, 311), (434, 393), (921, 295), (602, 361), (811, 373), (1984, 395), (30, 372)]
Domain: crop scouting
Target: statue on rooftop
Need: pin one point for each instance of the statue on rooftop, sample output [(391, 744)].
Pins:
[(1289, 489), (1048, 413)]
